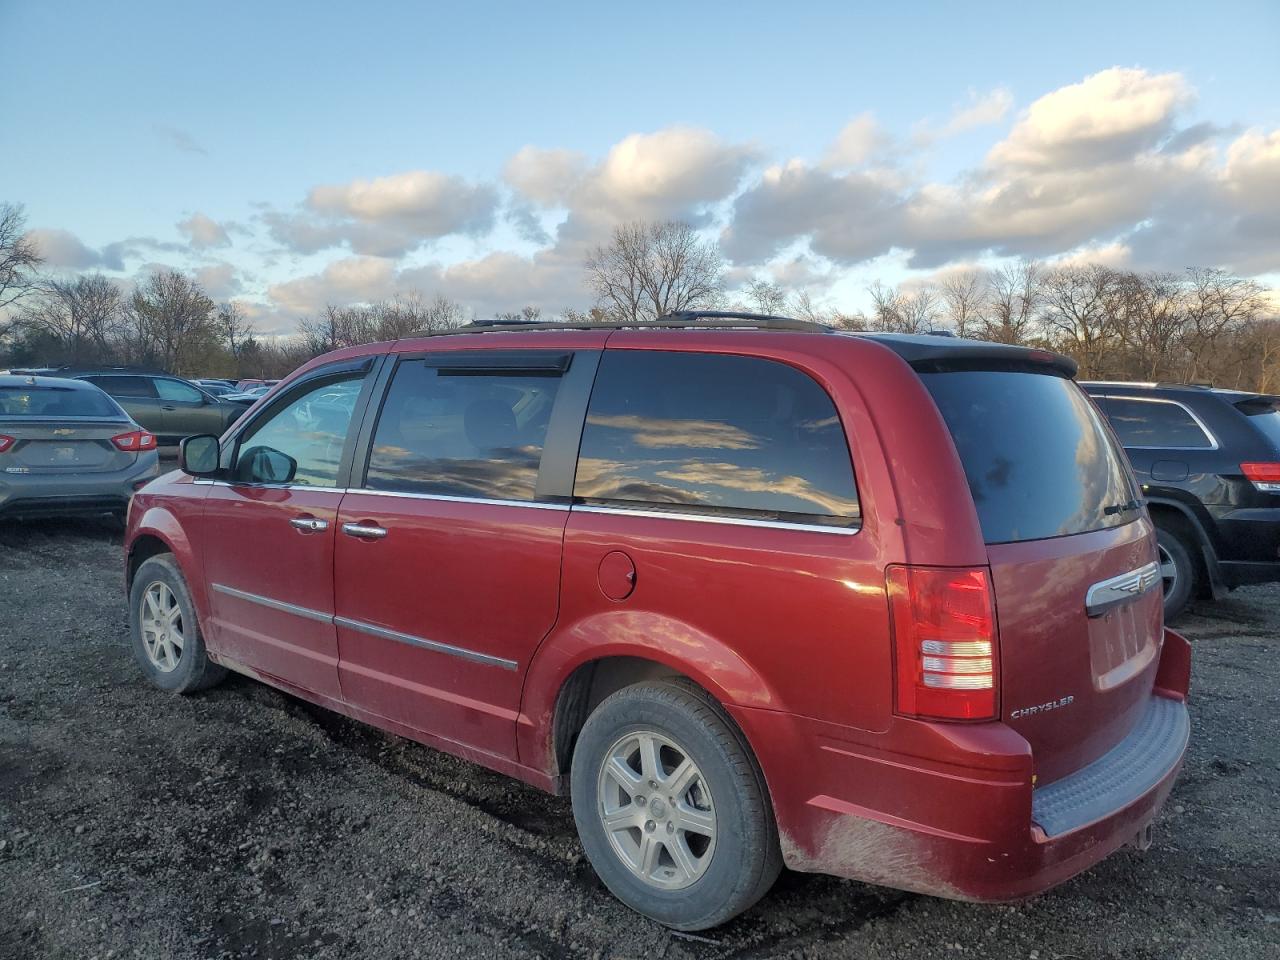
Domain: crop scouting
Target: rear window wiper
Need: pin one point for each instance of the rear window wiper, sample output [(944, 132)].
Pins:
[(1122, 507)]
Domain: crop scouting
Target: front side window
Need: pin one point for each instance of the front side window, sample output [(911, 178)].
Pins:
[(1154, 423), (462, 433), (310, 429), (177, 390), (712, 433)]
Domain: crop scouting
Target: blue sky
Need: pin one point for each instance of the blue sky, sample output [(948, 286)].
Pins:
[(121, 121)]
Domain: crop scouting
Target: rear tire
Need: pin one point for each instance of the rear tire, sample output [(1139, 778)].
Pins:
[(693, 845), (164, 630), (1179, 572)]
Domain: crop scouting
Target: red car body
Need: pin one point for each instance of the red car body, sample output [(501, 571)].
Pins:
[(791, 630)]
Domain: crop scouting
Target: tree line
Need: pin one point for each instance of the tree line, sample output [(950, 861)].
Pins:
[(1201, 325)]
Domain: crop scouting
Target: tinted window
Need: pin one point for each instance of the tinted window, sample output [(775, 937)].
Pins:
[(734, 435), (1154, 423), (471, 433), (177, 390), (1265, 415), (57, 402), (311, 428), (1037, 457), (125, 386)]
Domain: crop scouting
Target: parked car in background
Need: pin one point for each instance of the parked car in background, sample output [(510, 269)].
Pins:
[(251, 383), (1208, 461), (248, 396), (168, 406), (216, 388), (751, 591), (68, 448)]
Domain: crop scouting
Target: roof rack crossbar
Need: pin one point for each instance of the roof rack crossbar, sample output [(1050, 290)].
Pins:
[(680, 320)]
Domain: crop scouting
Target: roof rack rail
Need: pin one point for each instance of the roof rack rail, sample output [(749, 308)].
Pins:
[(1197, 384), (679, 320)]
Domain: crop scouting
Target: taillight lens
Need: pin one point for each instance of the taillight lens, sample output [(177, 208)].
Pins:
[(135, 441), (6, 442), (944, 633), (1264, 476)]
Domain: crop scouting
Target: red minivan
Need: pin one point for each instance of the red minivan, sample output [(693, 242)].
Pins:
[(753, 592)]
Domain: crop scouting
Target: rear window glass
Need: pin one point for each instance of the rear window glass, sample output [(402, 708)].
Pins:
[(1155, 423), (56, 402), (1265, 415), (1035, 452), (727, 435)]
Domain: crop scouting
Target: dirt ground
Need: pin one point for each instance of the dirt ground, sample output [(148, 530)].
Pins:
[(243, 823)]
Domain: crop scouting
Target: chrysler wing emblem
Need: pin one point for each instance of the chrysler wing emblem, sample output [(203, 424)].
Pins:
[(1107, 594)]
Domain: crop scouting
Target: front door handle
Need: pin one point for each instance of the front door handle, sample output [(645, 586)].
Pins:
[(364, 531), (309, 524), (168, 408)]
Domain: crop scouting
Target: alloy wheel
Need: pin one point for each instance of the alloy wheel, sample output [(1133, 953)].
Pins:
[(656, 809), (1168, 570), (162, 627)]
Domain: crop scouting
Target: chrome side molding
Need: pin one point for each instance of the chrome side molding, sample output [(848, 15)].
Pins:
[(1114, 591)]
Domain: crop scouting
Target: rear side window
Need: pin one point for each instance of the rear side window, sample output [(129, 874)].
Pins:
[(125, 386), (1035, 452), (726, 435), (57, 402), (475, 433), (1155, 423), (1264, 413)]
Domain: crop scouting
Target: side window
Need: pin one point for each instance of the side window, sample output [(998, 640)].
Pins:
[(310, 429), (729, 435), (125, 386), (1146, 423), (177, 390), (462, 433)]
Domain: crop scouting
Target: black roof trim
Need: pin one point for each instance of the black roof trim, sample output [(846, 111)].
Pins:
[(680, 320), (929, 354)]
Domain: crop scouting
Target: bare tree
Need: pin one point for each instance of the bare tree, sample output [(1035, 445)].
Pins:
[(651, 269), (965, 298), (234, 328), (1219, 303), (899, 312), (84, 316), (1079, 312), (19, 256), (175, 320), (1015, 291), (767, 296)]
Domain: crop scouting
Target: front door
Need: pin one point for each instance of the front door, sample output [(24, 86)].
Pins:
[(270, 535), (447, 559), (186, 411)]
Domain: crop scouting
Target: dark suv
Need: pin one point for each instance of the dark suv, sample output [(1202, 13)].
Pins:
[(1209, 464)]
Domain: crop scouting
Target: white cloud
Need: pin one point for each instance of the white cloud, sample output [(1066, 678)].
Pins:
[(62, 249), (219, 280), (861, 140), (349, 280), (547, 177), (981, 110), (203, 232), (1108, 116)]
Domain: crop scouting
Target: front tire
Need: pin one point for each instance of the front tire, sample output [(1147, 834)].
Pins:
[(1179, 572), (165, 632), (671, 807)]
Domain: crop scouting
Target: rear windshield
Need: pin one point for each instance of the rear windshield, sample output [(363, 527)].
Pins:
[(57, 402), (1038, 460), (1264, 413)]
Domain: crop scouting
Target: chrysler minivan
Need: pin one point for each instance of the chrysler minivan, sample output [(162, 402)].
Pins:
[(752, 592)]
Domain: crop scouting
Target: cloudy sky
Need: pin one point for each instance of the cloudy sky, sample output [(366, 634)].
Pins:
[(293, 154)]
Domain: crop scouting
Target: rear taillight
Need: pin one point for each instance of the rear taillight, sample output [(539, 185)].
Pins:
[(944, 633), (134, 441), (5, 442), (1264, 476)]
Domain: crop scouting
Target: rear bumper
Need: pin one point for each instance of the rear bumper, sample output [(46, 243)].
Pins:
[(42, 494), (953, 811)]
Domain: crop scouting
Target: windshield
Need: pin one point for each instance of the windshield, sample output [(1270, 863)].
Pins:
[(1038, 459), (41, 401)]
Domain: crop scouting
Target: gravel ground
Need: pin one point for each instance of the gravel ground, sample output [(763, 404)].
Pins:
[(243, 823)]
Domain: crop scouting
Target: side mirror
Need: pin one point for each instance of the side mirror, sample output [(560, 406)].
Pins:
[(199, 455), (265, 465)]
